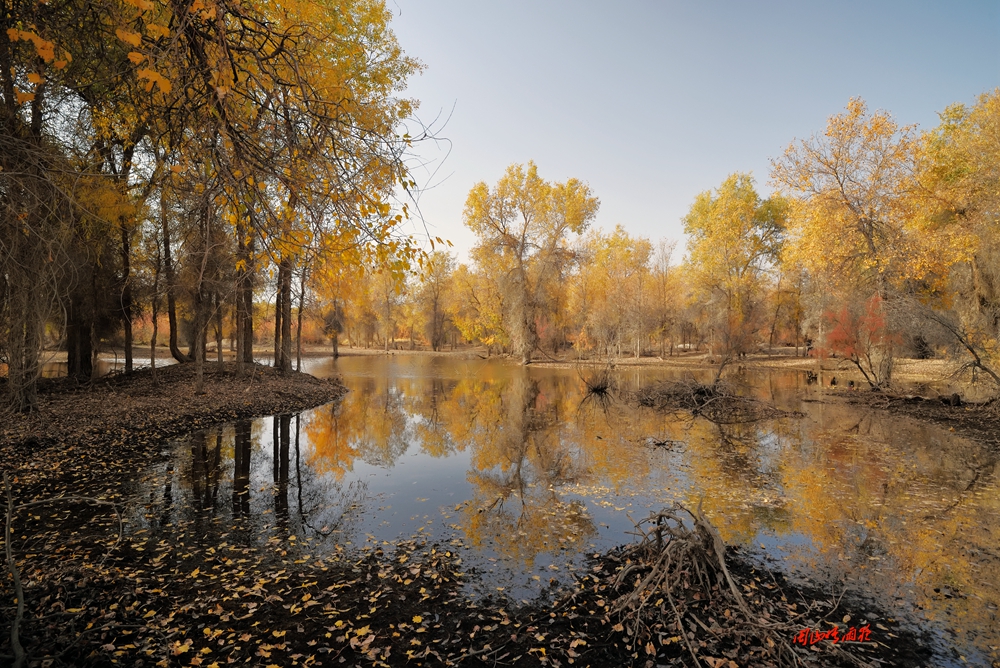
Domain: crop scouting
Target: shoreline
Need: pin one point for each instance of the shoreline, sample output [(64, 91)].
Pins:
[(85, 438), (121, 418)]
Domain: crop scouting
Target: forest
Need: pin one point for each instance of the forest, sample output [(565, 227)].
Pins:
[(234, 175), (206, 192)]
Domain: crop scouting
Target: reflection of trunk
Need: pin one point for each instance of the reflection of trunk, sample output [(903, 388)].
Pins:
[(281, 455), (241, 470), (168, 495), (215, 468), (198, 469), (205, 470), (298, 468)]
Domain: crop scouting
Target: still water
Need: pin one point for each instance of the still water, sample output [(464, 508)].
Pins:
[(524, 475)]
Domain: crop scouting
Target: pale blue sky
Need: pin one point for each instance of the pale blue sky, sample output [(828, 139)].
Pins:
[(654, 102)]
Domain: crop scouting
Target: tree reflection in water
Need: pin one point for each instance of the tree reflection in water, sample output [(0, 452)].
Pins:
[(905, 511)]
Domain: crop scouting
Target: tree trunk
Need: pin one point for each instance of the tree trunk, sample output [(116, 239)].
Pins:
[(277, 323), (244, 298), (126, 299), (198, 342), (285, 278), (298, 324), (218, 330), (168, 269), (79, 356)]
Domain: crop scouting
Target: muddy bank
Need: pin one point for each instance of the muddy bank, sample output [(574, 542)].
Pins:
[(183, 599), (83, 430), (978, 421)]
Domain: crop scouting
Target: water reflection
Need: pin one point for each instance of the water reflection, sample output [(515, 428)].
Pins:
[(518, 467)]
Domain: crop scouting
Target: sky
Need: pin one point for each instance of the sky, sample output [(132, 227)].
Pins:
[(651, 103)]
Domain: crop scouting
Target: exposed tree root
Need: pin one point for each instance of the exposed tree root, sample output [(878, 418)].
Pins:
[(675, 577)]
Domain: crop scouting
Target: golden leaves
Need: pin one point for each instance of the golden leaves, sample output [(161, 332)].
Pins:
[(157, 30), (131, 38), (154, 77), (136, 57), (45, 49)]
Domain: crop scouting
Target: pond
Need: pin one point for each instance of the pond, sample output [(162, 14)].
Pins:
[(524, 475)]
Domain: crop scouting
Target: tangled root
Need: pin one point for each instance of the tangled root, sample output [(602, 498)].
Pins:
[(674, 583)]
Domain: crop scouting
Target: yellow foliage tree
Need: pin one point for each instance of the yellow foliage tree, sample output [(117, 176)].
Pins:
[(523, 224)]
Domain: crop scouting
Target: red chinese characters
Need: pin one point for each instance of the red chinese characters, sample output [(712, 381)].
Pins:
[(809, 636)]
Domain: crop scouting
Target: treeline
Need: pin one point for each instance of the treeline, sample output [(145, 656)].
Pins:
[(879, 242), (187, 157), (219, 164)]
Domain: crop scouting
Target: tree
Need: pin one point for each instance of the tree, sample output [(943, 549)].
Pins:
[(853, 219), (861, 335), (959, 175), (434, 295), (522, 225), (852, 187), (258, 128), (611, 286), (477, 309), (735, 240), (664, 293)]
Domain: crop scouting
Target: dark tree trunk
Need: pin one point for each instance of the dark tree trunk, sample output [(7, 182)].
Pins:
[(168, 270), (298, 324), (79, 326), (277, 324), (198, 340), (241, 469), (126, 252), (218, 330), (155, 316), (244, 298), (285, 280)]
